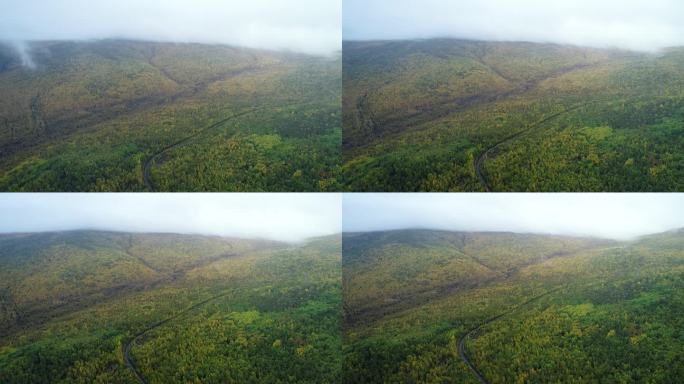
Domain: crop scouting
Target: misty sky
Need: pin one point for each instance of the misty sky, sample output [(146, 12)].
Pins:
[(286, 217), (617, 216), (631, 24), (310, 26)]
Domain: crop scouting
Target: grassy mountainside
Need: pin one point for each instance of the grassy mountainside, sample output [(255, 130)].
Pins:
[(132, 116), (455, 115), (98, 307), (523, 308)]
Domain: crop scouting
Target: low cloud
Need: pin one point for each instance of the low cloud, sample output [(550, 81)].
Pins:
[(309, 26), (24, 52), (618, 216), (645, 25), (285, 217)]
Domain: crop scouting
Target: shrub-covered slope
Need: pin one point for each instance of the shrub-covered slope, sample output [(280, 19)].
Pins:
[(455, 115), (98, 307), (132, 116), (545, 309)]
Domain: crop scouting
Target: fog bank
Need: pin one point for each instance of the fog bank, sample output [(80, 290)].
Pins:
[(645, 25), (618, 216), (285, 217), (309, 26)]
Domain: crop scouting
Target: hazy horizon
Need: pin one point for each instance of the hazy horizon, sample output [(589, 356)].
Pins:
[(521, 232), (306, 26), (291, 217), (606, 215), (633, 24)]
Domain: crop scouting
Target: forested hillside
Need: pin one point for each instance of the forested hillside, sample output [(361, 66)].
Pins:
[(420, 306), (455, 115), (117, 115), (101, 307)]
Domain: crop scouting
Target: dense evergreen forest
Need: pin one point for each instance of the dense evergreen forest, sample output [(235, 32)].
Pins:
[(101, 307), (420, 305), (116, 115), (455, 115)]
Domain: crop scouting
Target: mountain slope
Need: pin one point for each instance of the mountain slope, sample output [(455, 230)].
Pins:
[(455, 115), (89, 307), (568, 310), (131, 116)]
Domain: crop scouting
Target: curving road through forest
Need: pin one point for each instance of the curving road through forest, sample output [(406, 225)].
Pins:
[(462, 353), (485, 154), (130, 363), (147, 169)]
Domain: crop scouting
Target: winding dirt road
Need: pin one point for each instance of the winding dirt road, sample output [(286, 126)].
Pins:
[(485, 154), (462, 353), (130, 363), (455, 106), (147, 169), (393, 127)]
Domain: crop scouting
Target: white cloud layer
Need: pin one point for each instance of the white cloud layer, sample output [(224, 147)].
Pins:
[(645, 25), (286, 217), (310, 26), (617, 216)]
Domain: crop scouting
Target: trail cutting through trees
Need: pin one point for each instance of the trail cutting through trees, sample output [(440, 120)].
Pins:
[(130, 363), (449, 107), (461, 342), (481, 158), (397, 126), (147, 169)]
